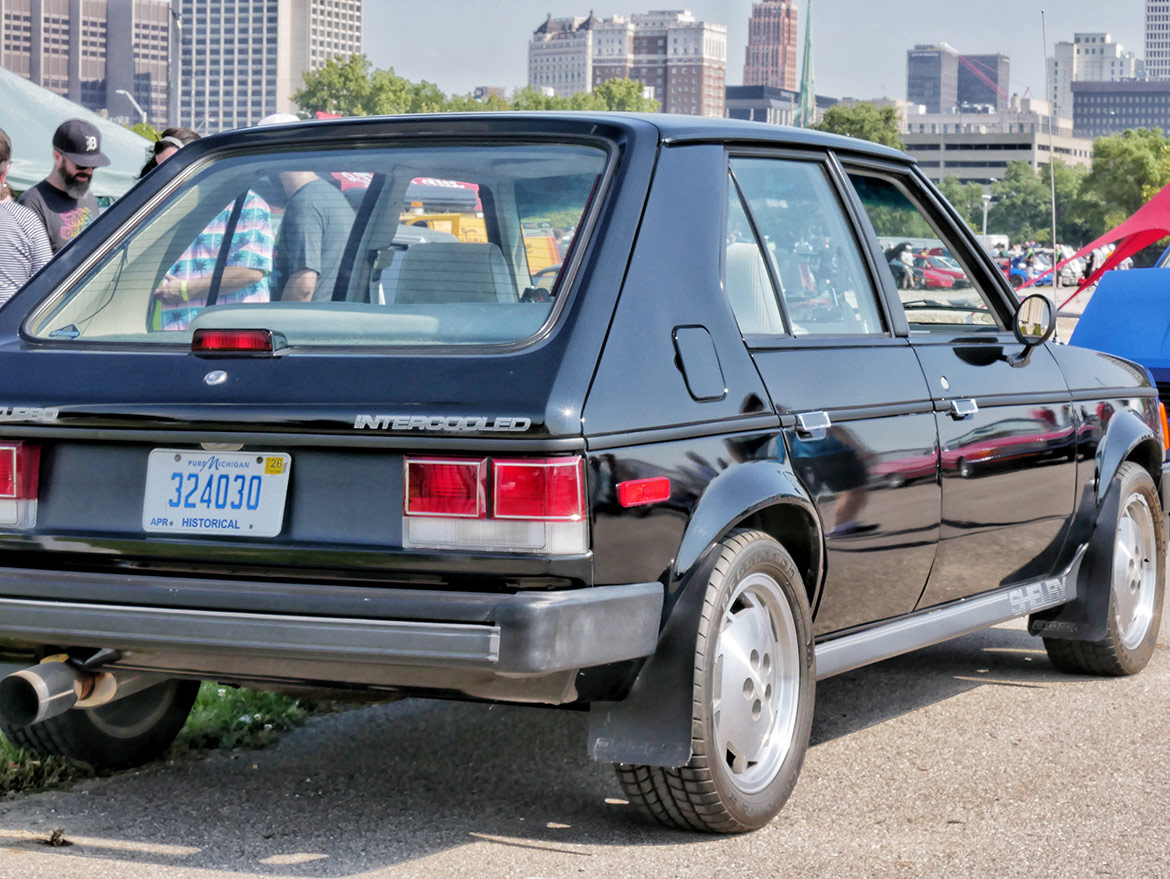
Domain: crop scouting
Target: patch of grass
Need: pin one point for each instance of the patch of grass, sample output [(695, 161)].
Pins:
[(22, 770), (223, 717), (228, 717)]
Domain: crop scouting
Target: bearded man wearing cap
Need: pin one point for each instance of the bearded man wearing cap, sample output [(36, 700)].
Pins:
[(63, 200)]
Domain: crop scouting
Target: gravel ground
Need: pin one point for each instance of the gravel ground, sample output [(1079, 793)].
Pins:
[(968, 759)]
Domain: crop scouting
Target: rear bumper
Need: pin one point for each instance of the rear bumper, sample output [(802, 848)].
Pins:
[(515, 634)]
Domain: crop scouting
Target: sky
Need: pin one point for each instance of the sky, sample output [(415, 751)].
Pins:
[(859, 46)]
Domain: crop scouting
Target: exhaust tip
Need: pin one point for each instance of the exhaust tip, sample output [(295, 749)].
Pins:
[(20, 702)]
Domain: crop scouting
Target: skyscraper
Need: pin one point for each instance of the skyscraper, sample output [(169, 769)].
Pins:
[(932, 77), (1158, 39), (1090, 57), (681, 62), (93, 52), (770, 58), (241, 60)]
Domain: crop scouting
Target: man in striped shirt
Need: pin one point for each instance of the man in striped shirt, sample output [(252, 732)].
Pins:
[(24, 243)]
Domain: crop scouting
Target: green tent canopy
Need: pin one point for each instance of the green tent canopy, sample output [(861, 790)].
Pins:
[(30, 114)]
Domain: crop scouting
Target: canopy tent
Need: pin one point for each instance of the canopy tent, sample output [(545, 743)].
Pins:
[(30, 114), (1149, 223)]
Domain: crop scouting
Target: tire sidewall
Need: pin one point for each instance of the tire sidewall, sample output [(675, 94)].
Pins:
[(761, 555), (1133, 479)]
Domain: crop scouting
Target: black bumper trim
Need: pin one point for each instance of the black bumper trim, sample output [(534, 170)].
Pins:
[(525, 633)]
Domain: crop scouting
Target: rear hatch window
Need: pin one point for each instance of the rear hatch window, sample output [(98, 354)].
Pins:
[(443, 244)]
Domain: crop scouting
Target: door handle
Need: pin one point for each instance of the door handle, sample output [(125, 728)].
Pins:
[(812, 425), (961, 409)]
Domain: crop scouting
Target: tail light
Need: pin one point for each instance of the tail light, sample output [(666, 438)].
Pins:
[(532, 505), (1165, 427), (19, 477)]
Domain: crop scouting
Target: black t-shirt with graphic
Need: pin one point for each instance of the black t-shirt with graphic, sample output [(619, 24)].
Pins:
[(63, 216)]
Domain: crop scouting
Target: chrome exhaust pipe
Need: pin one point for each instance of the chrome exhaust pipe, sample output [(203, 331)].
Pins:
[(54, 686)]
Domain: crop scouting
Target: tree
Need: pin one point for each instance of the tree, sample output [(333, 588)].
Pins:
[(864, 121), (1022, 203), (967, 199), (1128, 170), (625, 94)]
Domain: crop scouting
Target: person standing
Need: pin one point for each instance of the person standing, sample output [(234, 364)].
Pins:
[(24, 243), (311, 243), (63, 200)]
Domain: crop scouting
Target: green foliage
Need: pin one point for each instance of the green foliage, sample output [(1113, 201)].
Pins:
[(967, 199), (865, 121), (1022, 206), (228, 717), (354, 87), (1128, 170), (625, 94), (144, 129)]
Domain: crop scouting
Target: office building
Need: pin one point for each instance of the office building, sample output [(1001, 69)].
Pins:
[(983, 81), (1158, 39), (1090, 57), (240, 60), (97, 53), (770, 58), (932, 77), (942, 79), (977, 147), (681, 62), (1103, 108)]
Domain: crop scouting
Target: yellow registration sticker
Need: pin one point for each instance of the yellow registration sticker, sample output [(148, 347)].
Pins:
[(273, 466)]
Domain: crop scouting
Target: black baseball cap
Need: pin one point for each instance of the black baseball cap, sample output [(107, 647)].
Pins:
[(81, 143)]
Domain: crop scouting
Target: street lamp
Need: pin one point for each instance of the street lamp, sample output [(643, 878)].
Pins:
[(986, 197), (129, 97)]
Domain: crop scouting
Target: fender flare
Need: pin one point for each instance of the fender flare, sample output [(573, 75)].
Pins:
[(1123, 439), (652, 725), (1084, 619)]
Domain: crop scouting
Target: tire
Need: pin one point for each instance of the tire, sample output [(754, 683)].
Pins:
[(129, 732), (754, 685), (1137, 572)]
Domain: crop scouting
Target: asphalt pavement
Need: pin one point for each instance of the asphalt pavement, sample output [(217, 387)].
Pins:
[(972, 758)]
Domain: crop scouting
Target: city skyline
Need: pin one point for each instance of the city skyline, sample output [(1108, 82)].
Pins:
[(459, 46)]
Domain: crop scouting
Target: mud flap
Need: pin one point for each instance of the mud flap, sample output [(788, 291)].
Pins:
[(652, 725), (1086, 618)]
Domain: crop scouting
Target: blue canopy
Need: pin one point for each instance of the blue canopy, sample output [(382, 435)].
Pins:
[(1129, 315), (30, 114)]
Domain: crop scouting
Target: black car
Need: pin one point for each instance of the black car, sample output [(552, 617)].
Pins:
[(636, 419)]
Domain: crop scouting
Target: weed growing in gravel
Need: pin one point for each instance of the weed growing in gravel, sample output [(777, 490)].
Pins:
[(223, 717)]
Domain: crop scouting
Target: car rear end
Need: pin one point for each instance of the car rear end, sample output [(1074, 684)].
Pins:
[(383, 486)]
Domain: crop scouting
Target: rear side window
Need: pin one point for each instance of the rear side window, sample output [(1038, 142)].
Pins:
[(447, 244), (792, 263)]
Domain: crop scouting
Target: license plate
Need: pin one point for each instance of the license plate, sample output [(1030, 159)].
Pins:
[(233, 493)]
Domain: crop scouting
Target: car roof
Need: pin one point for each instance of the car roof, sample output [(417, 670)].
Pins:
[(672, 128)]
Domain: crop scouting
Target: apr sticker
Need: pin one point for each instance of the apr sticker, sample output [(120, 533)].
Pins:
[(27, 413), (273, 466)]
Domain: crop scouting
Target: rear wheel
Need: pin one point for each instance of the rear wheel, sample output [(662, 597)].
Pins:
[(1136, 587), (753, 697), (129, 732)]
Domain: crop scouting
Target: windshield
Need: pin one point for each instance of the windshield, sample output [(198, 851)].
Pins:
[(436, 245)]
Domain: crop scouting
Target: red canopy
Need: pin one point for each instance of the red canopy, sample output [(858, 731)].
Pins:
[(1149, 223)]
